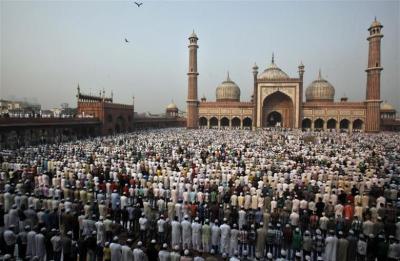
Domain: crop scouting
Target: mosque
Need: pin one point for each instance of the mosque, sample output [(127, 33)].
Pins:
[(277, 99)]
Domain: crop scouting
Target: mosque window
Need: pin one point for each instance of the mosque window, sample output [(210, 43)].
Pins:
[(109, 118)]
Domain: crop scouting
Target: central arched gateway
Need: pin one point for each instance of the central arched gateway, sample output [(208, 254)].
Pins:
[(274, 119), (278, 107)]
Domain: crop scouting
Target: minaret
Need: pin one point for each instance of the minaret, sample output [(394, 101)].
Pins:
[(301, 74), (192, 121), (373, 96), (255, 73)]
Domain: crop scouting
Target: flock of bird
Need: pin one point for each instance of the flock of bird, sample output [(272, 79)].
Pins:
[(138, 5)]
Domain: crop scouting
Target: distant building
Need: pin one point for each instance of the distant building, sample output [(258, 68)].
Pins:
[(172, 110), (20, 109), (277, 99), (114, 117)]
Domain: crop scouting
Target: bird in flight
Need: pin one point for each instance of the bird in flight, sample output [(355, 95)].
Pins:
[(126, 40), (138, 4)]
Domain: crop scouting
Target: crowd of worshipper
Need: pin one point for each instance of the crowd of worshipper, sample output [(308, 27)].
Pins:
[(177, 194)]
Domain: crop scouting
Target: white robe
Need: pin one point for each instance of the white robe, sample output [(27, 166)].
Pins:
[(31, 244), (101, 232), (138, 255), (330, 248), (175, 233), (225, 234), (186, 234), (164, 255), (40, 247), (196, 236), (233, 244), (215, 235), (126, 253), (116, 254)]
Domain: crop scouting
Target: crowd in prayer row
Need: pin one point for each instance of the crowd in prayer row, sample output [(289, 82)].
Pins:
[(178, 194)]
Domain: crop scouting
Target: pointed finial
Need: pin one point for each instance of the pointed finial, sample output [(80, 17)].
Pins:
[(273, 58), (78, 88), (375, 17), (227, 77), (319, 74)]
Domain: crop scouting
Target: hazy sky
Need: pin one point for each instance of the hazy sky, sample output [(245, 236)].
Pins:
[(48, 47)]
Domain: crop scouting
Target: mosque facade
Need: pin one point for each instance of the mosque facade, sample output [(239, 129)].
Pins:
[(277, 99)]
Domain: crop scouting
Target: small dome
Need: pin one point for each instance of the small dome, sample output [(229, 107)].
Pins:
[(171, 106), (228, 91), (193, 35), (376, 23), (273, 72), (320, 90), (385, 106)]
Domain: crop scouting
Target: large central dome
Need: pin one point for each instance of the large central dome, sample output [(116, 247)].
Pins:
[(228, 91), (273, 72), (320, 90)]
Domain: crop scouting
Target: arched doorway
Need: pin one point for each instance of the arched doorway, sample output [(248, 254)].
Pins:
[(247, 122), (306, 124), (331, 124), (203, 122), (319, 124), (224, 122), (344, 124), (358, 125), (278, 107), (236, 122), (274, 119), (120, 124), (214, 122)]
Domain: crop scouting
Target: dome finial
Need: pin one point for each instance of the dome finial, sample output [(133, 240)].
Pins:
[(273, 58), (227, 77), (319, 74)]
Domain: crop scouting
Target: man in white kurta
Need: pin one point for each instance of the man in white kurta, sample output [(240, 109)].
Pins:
[(225, 236), (40, 245), (186, 233), (164, 254), (196, 234), (126, 251), (175, 232), (138, 254), (115, 247), (215, 236), (330, 247)]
